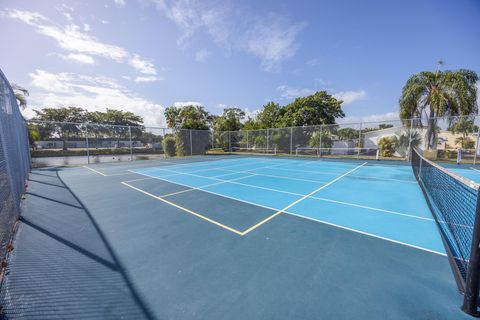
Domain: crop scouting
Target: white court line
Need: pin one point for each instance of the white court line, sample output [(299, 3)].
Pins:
[(359, 176), (303, 198), (285, 192), (274, 176), (199, 188), (367, 234), (475, 169), (138, 179), (308, 218)]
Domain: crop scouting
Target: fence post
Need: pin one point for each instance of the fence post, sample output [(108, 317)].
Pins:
[(359, 140), (320, 141), (191, 143), (86, 140), (213, 142), (229, 142), (476, 148), (409, 149), (130, 138), (267, 139), (291, 140)]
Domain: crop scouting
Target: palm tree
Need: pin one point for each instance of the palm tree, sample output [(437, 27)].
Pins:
[(21, 95), (439, 94)]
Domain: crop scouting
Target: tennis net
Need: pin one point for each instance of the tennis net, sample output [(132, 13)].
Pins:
[(263, 151), (371, 153), (453, 201)]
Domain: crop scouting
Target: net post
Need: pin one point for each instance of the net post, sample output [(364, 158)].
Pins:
[(130, 139), (191, 144), (86, 141), (291, 140), (470, 297)]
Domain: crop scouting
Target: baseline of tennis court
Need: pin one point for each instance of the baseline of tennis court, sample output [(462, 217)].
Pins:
[(230, 237)]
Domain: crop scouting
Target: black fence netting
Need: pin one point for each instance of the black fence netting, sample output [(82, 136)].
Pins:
[(14, 161)]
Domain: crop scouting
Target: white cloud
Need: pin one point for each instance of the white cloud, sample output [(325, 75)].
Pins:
[(142, 65), (347, 97), (79, 57), (221, 106), (292, 93), (350, 96), (270, 37), (147, 79), (392, 116), (187, 103), (28, 17), (202, 55), (105, 21), (91, 93), (51, 82), (71, 38), (119, 3)]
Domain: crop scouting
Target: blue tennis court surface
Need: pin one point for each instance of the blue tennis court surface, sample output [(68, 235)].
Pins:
[(229, 237), (379, 200), (467, 171)]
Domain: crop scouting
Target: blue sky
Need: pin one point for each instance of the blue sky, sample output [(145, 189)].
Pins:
[(145, 55)]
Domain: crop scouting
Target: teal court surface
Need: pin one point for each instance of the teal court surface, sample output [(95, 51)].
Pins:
[(229, 237), (468, 171)]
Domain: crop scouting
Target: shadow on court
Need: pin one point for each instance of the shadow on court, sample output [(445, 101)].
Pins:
[(62, 267)]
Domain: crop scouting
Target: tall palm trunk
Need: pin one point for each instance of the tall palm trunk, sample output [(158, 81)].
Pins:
[(432, 133)]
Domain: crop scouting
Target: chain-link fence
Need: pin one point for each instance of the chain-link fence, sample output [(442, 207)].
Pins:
[(61, 143), (445, 139), (14, 161)]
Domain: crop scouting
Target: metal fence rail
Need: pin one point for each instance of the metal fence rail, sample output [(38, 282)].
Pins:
[(14, 161)]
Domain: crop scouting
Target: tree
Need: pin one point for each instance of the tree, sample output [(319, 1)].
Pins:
[(438, 94), (187, 117), (21, 95), (230, 120), (347, 134), (465, 142), (60, 121), (464, 126), (270, 116), (123, 123), (316, 109), (386, 146)]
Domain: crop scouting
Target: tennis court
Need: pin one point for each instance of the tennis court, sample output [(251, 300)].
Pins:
[(230, 237)]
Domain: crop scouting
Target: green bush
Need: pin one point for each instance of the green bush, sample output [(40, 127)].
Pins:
[(465, 142), (169, 146), (386, 145), (179, 145)]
